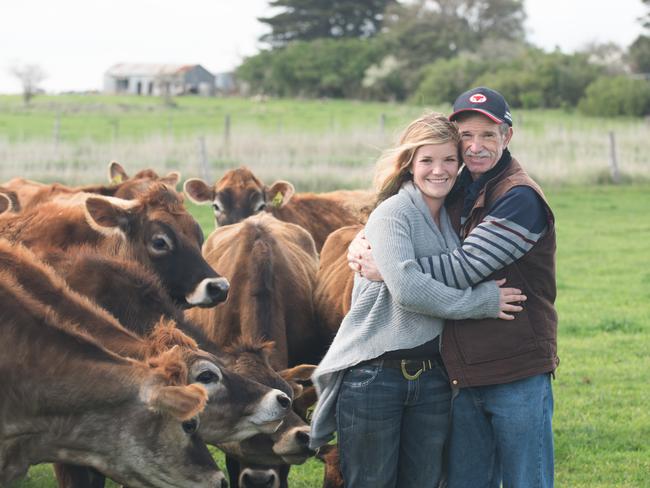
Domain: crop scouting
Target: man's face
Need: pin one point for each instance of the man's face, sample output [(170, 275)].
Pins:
[(482, 142)]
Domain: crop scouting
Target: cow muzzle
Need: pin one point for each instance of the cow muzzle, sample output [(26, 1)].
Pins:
[(209, 292)]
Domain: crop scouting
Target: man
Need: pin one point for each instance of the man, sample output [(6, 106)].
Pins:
[(501, 417)]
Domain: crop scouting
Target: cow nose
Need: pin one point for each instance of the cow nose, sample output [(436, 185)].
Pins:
[(217, 289), (284, 400), (302, 438)]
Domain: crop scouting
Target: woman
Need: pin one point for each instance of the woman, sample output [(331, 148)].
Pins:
[(381, 385)]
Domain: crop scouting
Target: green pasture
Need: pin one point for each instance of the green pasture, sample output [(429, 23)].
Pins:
[(319, 145), (602, 419)]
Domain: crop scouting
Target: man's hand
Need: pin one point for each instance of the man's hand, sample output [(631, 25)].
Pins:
[(360, 258)]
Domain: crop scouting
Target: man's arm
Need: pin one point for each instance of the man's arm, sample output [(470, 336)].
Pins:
[(510, 229), (515, 223)]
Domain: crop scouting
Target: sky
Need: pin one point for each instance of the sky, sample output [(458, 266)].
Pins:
[(76, 41)]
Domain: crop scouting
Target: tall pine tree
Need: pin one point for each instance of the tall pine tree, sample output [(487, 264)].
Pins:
[(306, 20)]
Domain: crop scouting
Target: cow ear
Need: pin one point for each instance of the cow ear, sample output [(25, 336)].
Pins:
[(181, 402), (171, 179), (116, 173), (302, 372), (198, 191), (108, 217), (165, 335), (5, 203), (279, 194), (170, 365)]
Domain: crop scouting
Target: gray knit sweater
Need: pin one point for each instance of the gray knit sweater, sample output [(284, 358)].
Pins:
[(403, 311)]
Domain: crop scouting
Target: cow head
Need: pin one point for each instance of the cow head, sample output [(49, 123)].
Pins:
[(290, 443), (238, 195), (157, 231), (238, 407), (158, 445)]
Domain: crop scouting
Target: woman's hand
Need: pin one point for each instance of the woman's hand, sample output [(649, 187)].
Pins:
[(507, 299), (360, 258)]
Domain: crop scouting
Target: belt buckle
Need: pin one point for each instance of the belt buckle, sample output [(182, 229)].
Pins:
[(408, 375)]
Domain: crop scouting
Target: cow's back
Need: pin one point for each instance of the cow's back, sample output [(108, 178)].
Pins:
[(271, 266), (323, 213), (334, 281)]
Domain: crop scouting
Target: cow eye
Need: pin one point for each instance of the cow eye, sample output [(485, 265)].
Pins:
[(260, 206), (191, 426), (217, 206), (160, 244), (208, 377)]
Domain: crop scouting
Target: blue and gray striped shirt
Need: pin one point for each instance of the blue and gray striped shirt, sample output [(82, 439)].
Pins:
[(511, 227)]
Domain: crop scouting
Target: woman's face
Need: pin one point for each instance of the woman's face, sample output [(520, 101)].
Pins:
[(435, 168)]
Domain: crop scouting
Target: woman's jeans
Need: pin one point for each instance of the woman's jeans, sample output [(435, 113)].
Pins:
[(502, 433), (391, 430)]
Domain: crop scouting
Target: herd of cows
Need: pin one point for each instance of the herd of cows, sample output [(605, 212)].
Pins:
[(129, 342)]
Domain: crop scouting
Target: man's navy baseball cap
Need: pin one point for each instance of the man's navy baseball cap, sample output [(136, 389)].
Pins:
[(485, 101)]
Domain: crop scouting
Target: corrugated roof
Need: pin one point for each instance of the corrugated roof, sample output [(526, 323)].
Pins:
[(148, 69)]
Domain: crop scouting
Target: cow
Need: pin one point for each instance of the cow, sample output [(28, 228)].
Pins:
[(154, 229), (137, 301), (329, 455), (240, 194), (238, 407), (272, 264), (334, 282), (66, 398), (32, 193)]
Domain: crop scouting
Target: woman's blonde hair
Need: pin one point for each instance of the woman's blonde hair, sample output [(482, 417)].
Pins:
[(392, 168)]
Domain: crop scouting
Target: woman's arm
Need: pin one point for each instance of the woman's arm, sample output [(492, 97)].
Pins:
[(411, 287)]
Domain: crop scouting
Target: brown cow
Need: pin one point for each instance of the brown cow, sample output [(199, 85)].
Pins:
[(32, 193), (334, 282), (68, 399), (155, 230), (332, 477), (272, 264), (146, 300), (238, 407), (240, 194)]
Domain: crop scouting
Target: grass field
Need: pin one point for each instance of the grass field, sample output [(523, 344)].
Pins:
[(316, 144), (602, 419)]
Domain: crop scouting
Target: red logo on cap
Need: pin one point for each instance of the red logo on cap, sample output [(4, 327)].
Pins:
[(478, 98)]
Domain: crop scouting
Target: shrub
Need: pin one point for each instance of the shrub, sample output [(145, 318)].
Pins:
[(618, 95)]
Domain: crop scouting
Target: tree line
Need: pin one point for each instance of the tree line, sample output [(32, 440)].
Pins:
[(429, 51)]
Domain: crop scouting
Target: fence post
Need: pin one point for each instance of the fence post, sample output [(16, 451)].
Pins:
[(203, 159), (613, 159), (56, 131), (226, 134), (116, 128)]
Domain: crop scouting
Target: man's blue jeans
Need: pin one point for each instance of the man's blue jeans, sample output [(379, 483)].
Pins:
[(391, 430), (502, 434)]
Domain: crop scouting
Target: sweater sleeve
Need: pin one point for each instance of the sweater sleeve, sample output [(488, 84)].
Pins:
[(510, 229), (412, 288)]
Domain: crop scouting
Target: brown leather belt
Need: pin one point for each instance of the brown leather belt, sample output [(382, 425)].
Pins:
[(411, 368)]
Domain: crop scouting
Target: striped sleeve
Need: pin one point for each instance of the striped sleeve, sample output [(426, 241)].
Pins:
[(510, 229)]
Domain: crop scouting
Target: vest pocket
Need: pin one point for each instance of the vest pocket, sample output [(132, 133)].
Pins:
[(494, 339)]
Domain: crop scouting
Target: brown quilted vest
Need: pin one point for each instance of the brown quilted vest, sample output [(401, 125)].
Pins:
[(493, 351)]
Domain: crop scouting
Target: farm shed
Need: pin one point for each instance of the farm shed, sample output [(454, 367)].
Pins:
[(159, 79)]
